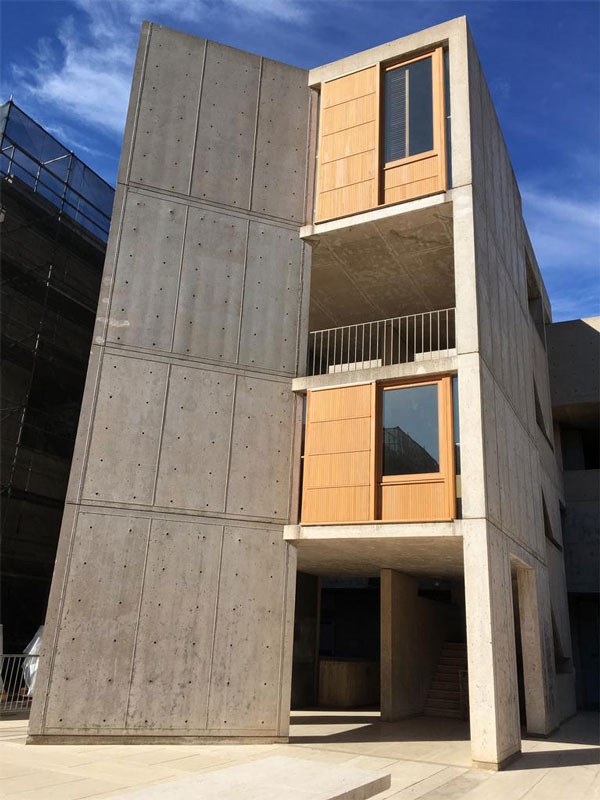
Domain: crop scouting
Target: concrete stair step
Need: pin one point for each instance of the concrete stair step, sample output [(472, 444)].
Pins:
[(444, 694), (453, 661), (442, 712), (445, 686), (270, 779), (442, 703), (448, 669)]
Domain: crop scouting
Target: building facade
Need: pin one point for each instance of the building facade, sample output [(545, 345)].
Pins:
[(574, 358), (55, 222), (317, 367)]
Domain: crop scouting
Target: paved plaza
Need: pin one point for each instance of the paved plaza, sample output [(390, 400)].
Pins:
[(427, 757)]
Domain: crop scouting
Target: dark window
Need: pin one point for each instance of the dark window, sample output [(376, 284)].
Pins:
[(408, 110), (410, 430)]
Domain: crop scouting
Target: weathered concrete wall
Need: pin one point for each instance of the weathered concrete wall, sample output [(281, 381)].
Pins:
[(574, 356), (173, 580), (518, 456)]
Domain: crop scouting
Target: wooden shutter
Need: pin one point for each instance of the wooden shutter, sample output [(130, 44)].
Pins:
[(339, 467), (348, 145)]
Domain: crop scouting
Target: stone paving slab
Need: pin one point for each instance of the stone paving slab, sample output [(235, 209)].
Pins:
[(271, 778)]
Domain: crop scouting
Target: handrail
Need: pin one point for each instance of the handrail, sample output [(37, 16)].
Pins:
[(100, 221), (380, 343)]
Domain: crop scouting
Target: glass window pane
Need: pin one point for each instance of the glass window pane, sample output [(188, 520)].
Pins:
[(410, 430), (408, 111), (420, 108), (395, 114)]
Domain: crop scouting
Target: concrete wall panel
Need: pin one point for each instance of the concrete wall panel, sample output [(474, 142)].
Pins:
[(225, 141), (97, 632), (166, 123), (271, 298), (197, 420), (147, 273), (259, 472), (123, 451), (280, 158), (171, 667), (210, 292), (178, 425), (248, 632)]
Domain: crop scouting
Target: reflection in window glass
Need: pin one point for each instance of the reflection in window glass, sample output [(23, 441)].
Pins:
[(410, 430), (408, 110)]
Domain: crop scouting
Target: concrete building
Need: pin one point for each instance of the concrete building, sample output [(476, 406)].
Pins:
[(54, 227), (376, 521), (574, 357)]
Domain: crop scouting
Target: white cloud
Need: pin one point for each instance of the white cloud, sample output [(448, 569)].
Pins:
[(85, 70), (565, 233)]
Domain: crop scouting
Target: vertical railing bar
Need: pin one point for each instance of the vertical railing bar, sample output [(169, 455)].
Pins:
[(348, 348), (439, 344), (362, 363), (430, 342)]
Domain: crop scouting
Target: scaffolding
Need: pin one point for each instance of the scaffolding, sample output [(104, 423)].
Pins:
[(55, 219)]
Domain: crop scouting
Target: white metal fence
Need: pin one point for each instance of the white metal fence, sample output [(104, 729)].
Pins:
[(381, 343), (17, 678)]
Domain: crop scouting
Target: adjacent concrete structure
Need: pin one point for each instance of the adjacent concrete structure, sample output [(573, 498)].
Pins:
[(172, 608), (54, 222), (574, 357)]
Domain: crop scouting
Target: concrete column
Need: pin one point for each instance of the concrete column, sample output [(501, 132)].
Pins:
[(492, 661), (398, 667), (538, 650)]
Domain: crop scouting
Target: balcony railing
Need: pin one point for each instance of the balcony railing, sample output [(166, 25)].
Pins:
[(17, 679), (383, 342)]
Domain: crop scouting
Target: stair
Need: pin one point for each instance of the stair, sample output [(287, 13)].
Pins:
[(445, 698)]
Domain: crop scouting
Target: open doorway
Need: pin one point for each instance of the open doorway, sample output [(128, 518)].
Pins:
[(336, 662), (391, 643)]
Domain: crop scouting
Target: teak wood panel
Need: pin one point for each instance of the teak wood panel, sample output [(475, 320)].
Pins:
[(350, 178), (349, 145), (339, 483), (428, 497), (343, 457)]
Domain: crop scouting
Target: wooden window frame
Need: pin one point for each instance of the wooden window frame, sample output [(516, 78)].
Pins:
[(381, 168), (436, 54), (447, 471)]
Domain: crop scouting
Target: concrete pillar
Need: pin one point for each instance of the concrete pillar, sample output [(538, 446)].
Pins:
[(398, 594), (538, 650), (492, 660)]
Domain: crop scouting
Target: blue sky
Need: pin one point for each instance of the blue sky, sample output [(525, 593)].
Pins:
[(69, 64)]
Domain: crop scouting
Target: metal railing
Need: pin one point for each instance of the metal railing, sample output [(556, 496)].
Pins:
[(31, 155), (17, 679), (383, 342)]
